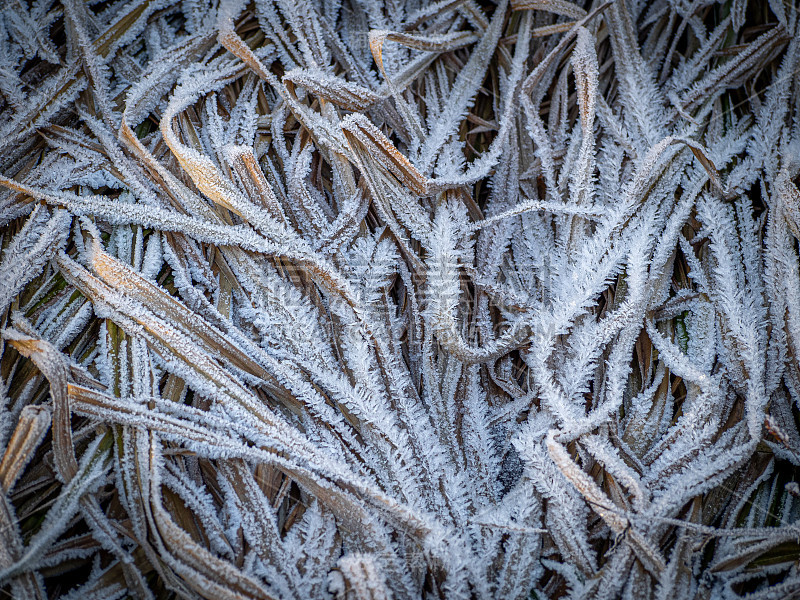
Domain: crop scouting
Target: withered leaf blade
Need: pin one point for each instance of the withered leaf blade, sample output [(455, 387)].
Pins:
[(33, 423), (376, 299)]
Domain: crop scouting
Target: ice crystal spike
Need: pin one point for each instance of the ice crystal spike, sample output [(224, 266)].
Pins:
[(385, 299)]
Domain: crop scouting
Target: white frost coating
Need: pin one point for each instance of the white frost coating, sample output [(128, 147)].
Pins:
[(41, 237), (376, 299)]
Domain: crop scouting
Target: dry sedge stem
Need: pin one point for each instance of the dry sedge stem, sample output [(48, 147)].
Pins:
[(371, 300)]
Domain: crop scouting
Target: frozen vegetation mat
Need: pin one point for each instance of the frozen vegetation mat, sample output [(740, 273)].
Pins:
[(363, 300)]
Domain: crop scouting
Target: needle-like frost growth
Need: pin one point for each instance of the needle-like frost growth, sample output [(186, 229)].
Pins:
[(381, 299)]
